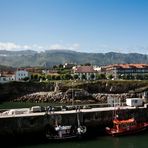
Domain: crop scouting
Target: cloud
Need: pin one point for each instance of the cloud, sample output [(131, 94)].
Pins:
[(56, 46), (13, 46), (9, 46), (16, 47), (74, 46)]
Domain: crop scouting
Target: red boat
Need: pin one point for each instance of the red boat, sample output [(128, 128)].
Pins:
[(126, 127)]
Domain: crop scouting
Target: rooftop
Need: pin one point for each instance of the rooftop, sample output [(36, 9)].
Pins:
[(128, 66), (85, 69)]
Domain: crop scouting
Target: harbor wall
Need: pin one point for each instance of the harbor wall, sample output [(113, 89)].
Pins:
[(92, 120)]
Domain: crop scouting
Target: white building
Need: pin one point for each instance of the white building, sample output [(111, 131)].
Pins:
[(85, 71), (21, 74), (6, 79), (134, 102)]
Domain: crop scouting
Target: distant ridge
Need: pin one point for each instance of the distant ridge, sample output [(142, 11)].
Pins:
[(49, 58)]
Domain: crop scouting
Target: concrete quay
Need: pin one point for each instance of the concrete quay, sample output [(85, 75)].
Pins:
[(94, 118)]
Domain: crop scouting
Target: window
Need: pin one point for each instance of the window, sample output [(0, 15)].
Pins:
[(136, 101)]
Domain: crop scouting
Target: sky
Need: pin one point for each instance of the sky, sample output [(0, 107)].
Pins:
[(79, 25)]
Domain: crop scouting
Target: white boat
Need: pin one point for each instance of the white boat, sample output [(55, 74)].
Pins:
[(64, 132)]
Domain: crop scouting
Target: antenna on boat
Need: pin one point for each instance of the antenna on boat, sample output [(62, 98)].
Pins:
[(116, 103)]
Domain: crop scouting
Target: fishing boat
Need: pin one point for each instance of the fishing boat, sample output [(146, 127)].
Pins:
[(126, 127), (63, 132)]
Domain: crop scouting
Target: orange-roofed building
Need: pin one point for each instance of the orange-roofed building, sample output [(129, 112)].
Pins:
[(131, 70)]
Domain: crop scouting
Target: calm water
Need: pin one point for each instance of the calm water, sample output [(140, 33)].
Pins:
[(136, 141)]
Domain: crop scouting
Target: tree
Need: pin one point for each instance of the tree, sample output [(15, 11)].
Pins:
[(60, 66), (43, 77), (83, 77), (138, 77), (32, 77), (68, 76), (53, 77), (35, 77), (75, 76), (55, 67), (100, 76), (103, 76), (146, 76), (26, 78), (87, 64), (49, 77), (92, 76), (57, 77), (110, 76)]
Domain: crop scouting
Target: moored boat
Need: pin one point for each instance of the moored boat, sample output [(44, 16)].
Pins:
[(63, 132), (126, 127)]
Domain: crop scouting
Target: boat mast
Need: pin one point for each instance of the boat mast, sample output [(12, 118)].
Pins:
[(78, 119)]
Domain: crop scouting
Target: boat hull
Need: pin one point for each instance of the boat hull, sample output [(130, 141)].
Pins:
[(64, 138), (114, 132)]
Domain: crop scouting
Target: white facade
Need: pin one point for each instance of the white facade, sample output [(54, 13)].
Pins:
[(134, 102), (87, 75), (6, 79), (21, 74)]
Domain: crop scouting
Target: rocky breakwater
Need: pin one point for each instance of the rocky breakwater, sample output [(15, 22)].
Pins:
[(40, 97), (76, 96), (103, 97)]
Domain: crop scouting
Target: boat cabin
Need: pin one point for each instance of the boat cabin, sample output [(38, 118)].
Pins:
[(124, 124)]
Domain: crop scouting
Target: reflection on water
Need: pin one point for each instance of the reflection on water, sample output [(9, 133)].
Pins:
[(136, 141)]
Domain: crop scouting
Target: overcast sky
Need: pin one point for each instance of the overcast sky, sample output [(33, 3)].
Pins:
[(80, 25)]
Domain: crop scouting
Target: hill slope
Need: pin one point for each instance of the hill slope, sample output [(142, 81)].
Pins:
[(54, 57)]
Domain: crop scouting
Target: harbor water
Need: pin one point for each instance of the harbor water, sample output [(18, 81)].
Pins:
[(134, 141)]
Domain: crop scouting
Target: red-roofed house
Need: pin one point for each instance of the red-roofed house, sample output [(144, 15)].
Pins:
[(85, 72), (118, 70)]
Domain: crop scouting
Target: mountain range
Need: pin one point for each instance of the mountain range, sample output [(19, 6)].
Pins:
[(48, 58)]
